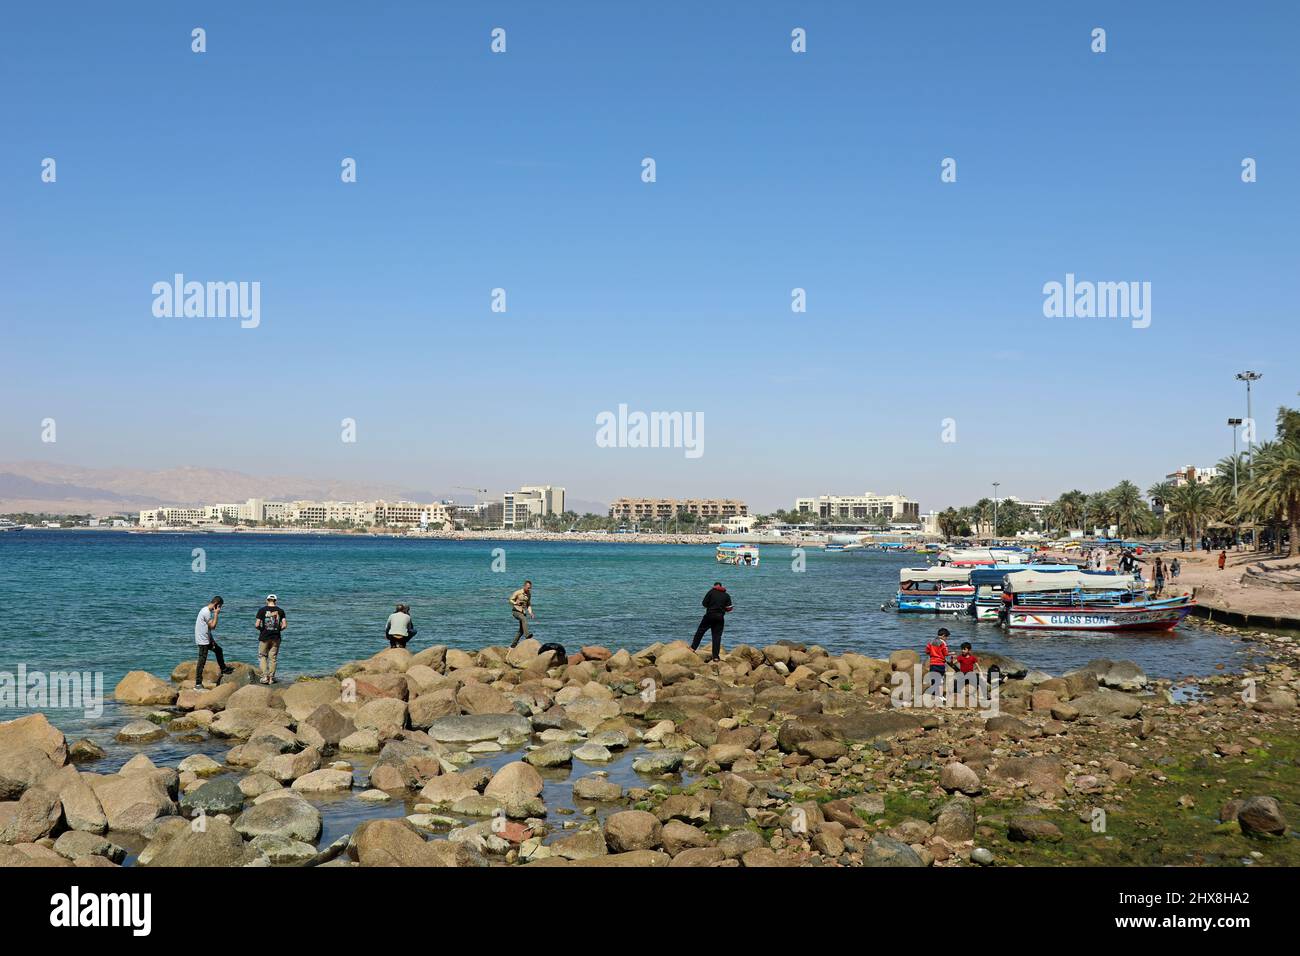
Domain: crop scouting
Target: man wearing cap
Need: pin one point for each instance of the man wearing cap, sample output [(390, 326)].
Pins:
[(270, 625)]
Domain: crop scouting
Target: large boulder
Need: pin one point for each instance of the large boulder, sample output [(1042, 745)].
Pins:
[(398, 843), (255, 695), (23, 767), (1105, 702), (38, 814), (302, 698), (329, 724), (131, 801), (326, 780), (472, 728), (37, 732), (221, 795), (216, 843), (289, 767), (429, 706), (77, 844), (958, 776), (141, 687), (81, 809), (476, 698), (240, 722), (886, 851), (513, 783), (287, 816), (1261, 815), (633, 830), (381, 713)]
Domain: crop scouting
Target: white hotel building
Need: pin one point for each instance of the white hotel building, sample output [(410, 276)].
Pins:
[(850, 508)]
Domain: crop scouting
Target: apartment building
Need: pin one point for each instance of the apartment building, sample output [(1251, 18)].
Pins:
[(520, 509), (661, 509)]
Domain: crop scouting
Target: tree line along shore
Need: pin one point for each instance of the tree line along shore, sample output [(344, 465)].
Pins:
[(783, 755)]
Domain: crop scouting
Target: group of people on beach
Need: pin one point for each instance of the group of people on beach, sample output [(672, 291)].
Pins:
[(271, 622)]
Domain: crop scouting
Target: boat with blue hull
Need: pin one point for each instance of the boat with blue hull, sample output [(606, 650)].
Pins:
[(942, 589), (1087, 601)]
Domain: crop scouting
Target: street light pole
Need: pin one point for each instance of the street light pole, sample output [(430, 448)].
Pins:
[(1248, 377), (995, 509), (1233, 423)]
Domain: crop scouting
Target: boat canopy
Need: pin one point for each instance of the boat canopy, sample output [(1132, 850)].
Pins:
[(1022, 582), (979, 576), (934, 574)]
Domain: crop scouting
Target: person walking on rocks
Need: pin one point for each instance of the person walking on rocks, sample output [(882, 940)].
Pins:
[(270, 626), (204, 625), (400, 628), (717, 602), (521, 607)]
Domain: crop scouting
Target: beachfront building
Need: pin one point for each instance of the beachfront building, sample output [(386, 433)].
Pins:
[(851, 508), (1035, 507), (521, 509), (173, 517), (665, 509), (1190, 473)]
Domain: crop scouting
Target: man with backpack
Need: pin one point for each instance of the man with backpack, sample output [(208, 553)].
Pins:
[(270, 626)]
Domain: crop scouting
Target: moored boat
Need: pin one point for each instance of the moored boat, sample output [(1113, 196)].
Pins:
[(986, 583), (1087, 601), (741, 555), (941, 589)]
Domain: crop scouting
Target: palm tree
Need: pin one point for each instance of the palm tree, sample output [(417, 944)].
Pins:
[(1159, 493), (1189, 508), (1129, 510), (1070, 507), (1275, 487)]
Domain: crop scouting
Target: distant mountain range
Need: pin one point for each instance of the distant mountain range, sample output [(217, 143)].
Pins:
[(32, 486)]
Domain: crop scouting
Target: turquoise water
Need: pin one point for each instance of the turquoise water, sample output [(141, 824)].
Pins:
[(114, 602)]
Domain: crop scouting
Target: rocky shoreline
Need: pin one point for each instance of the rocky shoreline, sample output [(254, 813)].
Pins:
[(778, 756)]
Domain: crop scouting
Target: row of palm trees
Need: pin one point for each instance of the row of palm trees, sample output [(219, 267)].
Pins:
[(1265, 494)]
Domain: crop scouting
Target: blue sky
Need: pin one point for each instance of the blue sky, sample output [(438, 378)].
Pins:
[(523, 171)]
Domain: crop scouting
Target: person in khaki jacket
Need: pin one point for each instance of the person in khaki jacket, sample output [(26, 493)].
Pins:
[(521, 607)]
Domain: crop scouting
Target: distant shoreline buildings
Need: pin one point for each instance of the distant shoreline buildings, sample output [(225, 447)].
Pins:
[(515, 509)]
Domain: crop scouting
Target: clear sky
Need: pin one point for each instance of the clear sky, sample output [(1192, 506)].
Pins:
[(523, 171)]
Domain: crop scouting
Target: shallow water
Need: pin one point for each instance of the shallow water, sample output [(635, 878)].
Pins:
[(111, 602)]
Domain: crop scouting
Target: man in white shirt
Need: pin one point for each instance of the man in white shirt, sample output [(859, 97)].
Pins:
[(204, 625)]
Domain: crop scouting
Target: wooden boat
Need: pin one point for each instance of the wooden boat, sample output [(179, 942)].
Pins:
[(1087, 601), (936, 590)]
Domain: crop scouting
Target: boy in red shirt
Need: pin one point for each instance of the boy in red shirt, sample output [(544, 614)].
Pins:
[(936, 651), (969, 666)]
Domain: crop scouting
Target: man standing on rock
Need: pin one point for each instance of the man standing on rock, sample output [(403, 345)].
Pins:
[(270, 626), (521, 607), (717, 602), (204, 625)]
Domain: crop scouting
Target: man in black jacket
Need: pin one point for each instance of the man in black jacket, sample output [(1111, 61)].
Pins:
[(716, 605)]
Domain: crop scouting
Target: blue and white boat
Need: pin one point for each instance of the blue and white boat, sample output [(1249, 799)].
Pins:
[(942, 589)]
